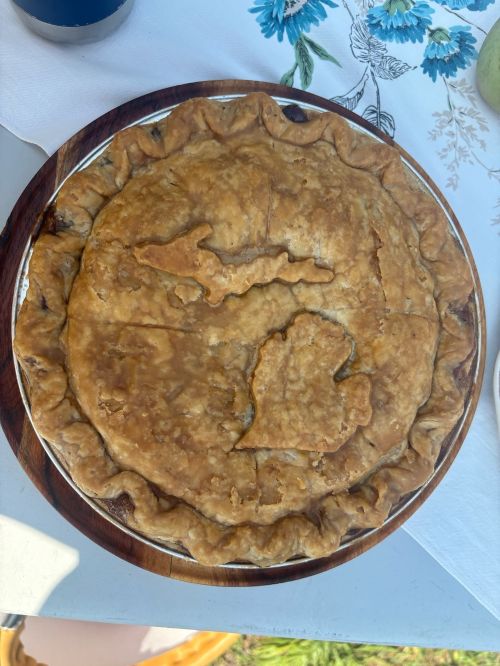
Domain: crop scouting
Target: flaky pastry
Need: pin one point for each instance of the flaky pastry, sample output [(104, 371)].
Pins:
[(251, 328)]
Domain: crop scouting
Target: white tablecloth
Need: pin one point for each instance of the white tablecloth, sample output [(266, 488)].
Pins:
[(411, 71)]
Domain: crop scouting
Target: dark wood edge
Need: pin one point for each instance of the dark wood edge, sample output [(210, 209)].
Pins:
[(23, 223)]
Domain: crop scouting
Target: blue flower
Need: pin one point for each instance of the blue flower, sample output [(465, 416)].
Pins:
[(455, 4), (400, 20), (471, 5), (292, 16), (448, 51), (479, 5)]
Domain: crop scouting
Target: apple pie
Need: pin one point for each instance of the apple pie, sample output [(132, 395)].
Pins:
[(248, 335)]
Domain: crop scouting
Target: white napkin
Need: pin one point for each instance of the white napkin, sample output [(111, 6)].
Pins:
[(49, 91)]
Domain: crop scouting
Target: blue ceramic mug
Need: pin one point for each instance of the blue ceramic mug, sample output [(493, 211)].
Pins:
[(75, 21)]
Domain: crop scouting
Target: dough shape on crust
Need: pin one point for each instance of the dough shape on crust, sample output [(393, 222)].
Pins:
[(183, 256), (298, 403)]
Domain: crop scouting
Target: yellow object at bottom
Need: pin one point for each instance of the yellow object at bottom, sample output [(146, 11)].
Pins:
[(201, 650)]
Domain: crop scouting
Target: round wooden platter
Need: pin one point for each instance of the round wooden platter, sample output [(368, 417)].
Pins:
[(23, 224)]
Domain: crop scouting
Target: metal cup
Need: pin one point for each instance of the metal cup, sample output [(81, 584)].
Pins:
[(76, 22)]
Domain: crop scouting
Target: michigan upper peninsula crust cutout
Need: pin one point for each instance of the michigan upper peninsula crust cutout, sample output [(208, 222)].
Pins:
[(183, 256), (298, 404)]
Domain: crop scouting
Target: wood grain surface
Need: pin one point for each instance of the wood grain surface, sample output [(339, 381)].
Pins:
[(23, 225)]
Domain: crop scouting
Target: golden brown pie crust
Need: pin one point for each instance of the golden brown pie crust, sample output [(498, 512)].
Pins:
[(250, 327)]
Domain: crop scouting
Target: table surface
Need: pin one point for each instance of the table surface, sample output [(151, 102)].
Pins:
[(395, 594)]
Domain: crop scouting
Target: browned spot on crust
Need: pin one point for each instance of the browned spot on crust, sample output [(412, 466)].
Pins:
[(121, 507)]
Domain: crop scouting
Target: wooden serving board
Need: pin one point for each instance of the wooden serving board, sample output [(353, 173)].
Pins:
[(23, 224)]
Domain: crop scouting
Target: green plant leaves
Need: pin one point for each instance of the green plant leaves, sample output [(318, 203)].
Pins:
[(318, 50), (304, 61), (288, 77), (253, 651), (295, 652), (303, 47)]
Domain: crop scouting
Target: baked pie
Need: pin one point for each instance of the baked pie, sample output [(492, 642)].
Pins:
[(252, 332)]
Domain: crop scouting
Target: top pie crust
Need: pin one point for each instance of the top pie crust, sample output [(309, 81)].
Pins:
[(255, 330)]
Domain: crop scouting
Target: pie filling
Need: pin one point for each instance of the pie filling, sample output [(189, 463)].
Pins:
[(245, 332)]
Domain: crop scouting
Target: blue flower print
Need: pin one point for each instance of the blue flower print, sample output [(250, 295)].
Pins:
[(400, 20), (471, 5), (455, 4), (479, 5), (292, 16), (448, 51)]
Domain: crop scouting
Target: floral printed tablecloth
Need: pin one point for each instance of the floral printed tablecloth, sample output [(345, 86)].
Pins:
[(407, 66)]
